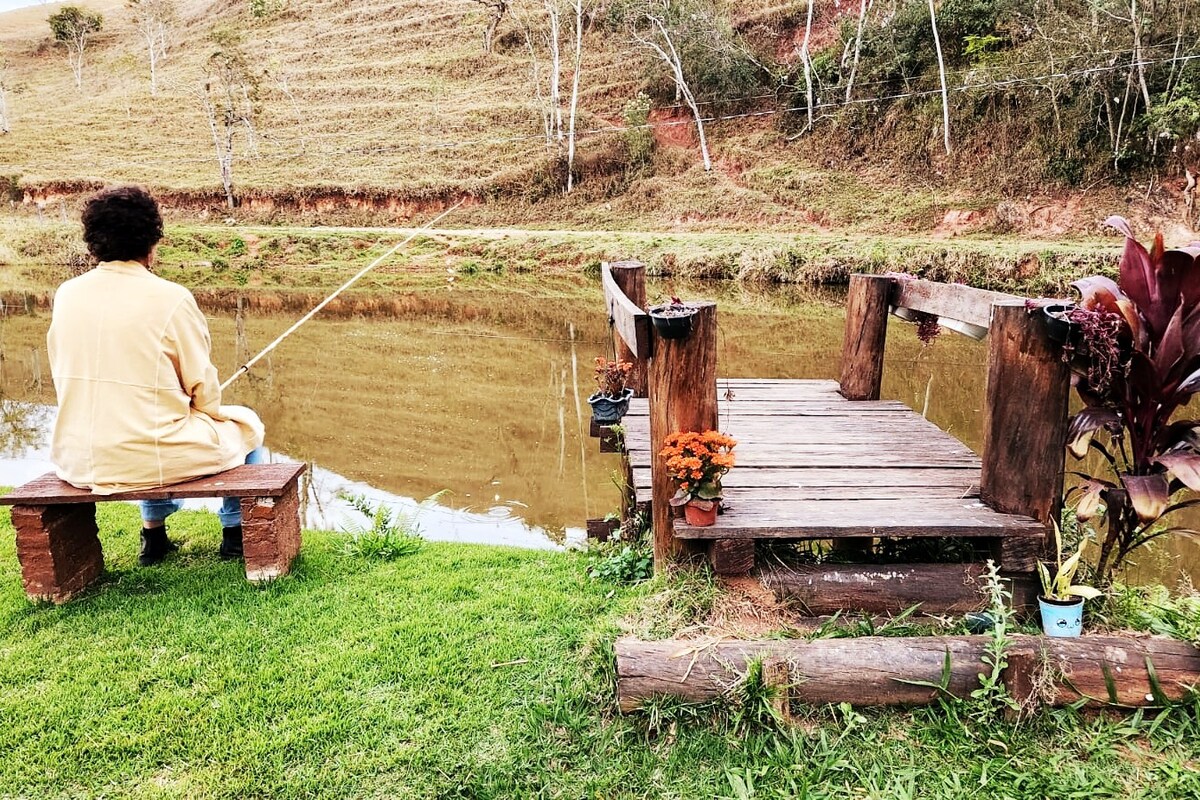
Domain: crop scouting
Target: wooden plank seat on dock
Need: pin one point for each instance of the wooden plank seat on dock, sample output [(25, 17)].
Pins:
[(58, 545)]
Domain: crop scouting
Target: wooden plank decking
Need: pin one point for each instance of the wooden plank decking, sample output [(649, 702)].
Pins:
[(813, 465)]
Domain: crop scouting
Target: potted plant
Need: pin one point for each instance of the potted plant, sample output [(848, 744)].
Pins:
[(1061, 601), (1136, 359), (672, 320), (611, 401), (696, 462)]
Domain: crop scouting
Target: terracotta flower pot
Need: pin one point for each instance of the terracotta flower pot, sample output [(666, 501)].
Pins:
[(701, 513)]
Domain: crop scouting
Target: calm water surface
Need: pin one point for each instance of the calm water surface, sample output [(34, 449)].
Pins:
[(481, 391)]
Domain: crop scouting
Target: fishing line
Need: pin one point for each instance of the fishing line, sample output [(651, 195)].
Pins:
[(242, 370)]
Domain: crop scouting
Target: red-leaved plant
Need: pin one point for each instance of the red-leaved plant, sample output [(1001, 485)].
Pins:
[(1138, 363)]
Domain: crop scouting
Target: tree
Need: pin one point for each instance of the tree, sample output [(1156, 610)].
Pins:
[(668, 22), (577, 66), (6, 86), (228, 96), (937, 42), (73, 27), (154, 19), (497, 9)]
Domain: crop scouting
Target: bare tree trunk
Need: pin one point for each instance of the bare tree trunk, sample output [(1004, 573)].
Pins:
[(862, 19), (1189, 198), (806, 57), (555, 68), (672, 60), (578, 65), (937, 41), (5, 127), (75, 59), (1136, 21), (544, 109), (222, 145)]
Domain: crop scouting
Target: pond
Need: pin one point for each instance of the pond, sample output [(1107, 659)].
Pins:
[(478, 389)]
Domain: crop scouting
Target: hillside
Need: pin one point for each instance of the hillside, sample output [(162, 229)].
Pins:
[(372, 111)]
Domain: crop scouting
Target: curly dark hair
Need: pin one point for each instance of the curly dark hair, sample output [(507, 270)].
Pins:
[(121, 224)]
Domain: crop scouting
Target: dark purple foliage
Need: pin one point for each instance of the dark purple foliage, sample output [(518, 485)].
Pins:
[(1139, 364)]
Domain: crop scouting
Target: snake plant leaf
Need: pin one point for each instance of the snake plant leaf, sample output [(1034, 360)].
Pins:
[(1183, 465), (1086, 592), (1149, 495), (1086, 423)]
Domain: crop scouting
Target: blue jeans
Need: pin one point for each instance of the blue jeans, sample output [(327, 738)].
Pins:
[(155, 512)]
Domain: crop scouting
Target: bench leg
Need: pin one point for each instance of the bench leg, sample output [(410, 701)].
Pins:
[(58, 548), (270, 534)]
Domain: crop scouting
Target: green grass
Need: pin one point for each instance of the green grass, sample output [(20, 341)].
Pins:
[(354, 678), (299, 258)]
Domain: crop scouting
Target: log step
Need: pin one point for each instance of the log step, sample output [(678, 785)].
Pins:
[(876, 670), (892, 588)]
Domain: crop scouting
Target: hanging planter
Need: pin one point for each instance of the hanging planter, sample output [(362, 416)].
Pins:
[(672, 320), (608, 410), (611, 401), (1058, 322)]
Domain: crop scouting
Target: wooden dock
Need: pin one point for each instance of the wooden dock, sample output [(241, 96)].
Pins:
[(813, 465), (830, 460)]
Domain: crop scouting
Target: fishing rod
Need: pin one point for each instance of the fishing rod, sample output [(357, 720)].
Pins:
[(244, 368)]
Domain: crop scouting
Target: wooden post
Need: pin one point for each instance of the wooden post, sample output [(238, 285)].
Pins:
[(1025, 417), (866, 333), (683, 397), (630, 276)]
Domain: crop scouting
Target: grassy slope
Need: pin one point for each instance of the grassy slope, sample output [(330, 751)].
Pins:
[(397, 100), (353, 679)]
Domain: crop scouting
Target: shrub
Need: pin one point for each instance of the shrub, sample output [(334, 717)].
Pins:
[(390, 534)]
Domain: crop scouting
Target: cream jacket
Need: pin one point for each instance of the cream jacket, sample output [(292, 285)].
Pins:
[(139, 404)]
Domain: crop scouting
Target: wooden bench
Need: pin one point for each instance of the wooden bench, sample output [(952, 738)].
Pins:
[(57, 537)]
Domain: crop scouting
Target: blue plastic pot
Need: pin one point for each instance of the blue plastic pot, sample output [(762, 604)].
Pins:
[(609, 410), (1062, 617)]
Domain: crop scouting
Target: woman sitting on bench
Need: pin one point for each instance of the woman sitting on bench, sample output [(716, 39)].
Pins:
[(139, 403)]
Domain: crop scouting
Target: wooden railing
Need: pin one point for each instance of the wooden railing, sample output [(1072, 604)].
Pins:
[(624, 285), (1025, 411), (680, 380)]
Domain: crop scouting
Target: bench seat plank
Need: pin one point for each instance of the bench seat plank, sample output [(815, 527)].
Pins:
[(256, 480)]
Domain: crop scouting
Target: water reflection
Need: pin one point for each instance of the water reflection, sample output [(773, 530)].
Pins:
[(27, 456)]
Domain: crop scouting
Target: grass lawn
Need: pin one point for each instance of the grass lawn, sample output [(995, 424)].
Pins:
[(354, 678)]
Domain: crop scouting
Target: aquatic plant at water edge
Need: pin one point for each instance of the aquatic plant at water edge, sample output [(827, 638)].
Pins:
[(390, 532), (1136, 362)]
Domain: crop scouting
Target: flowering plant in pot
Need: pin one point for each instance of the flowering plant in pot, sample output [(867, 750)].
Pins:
[(1061, 601), (672, 320), (1135, 364), (696, 462), (611, 401)]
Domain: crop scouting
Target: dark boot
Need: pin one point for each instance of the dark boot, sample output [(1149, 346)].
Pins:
[(155, 546), (231, 543)]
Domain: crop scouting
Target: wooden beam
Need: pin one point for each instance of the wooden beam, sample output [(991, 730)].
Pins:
[(630, 278), (683, 397), (1025, 417), (892, 588), (250, 480), (628, 320), (874, 670), (865, 336), (952, 301), (832, 519)]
